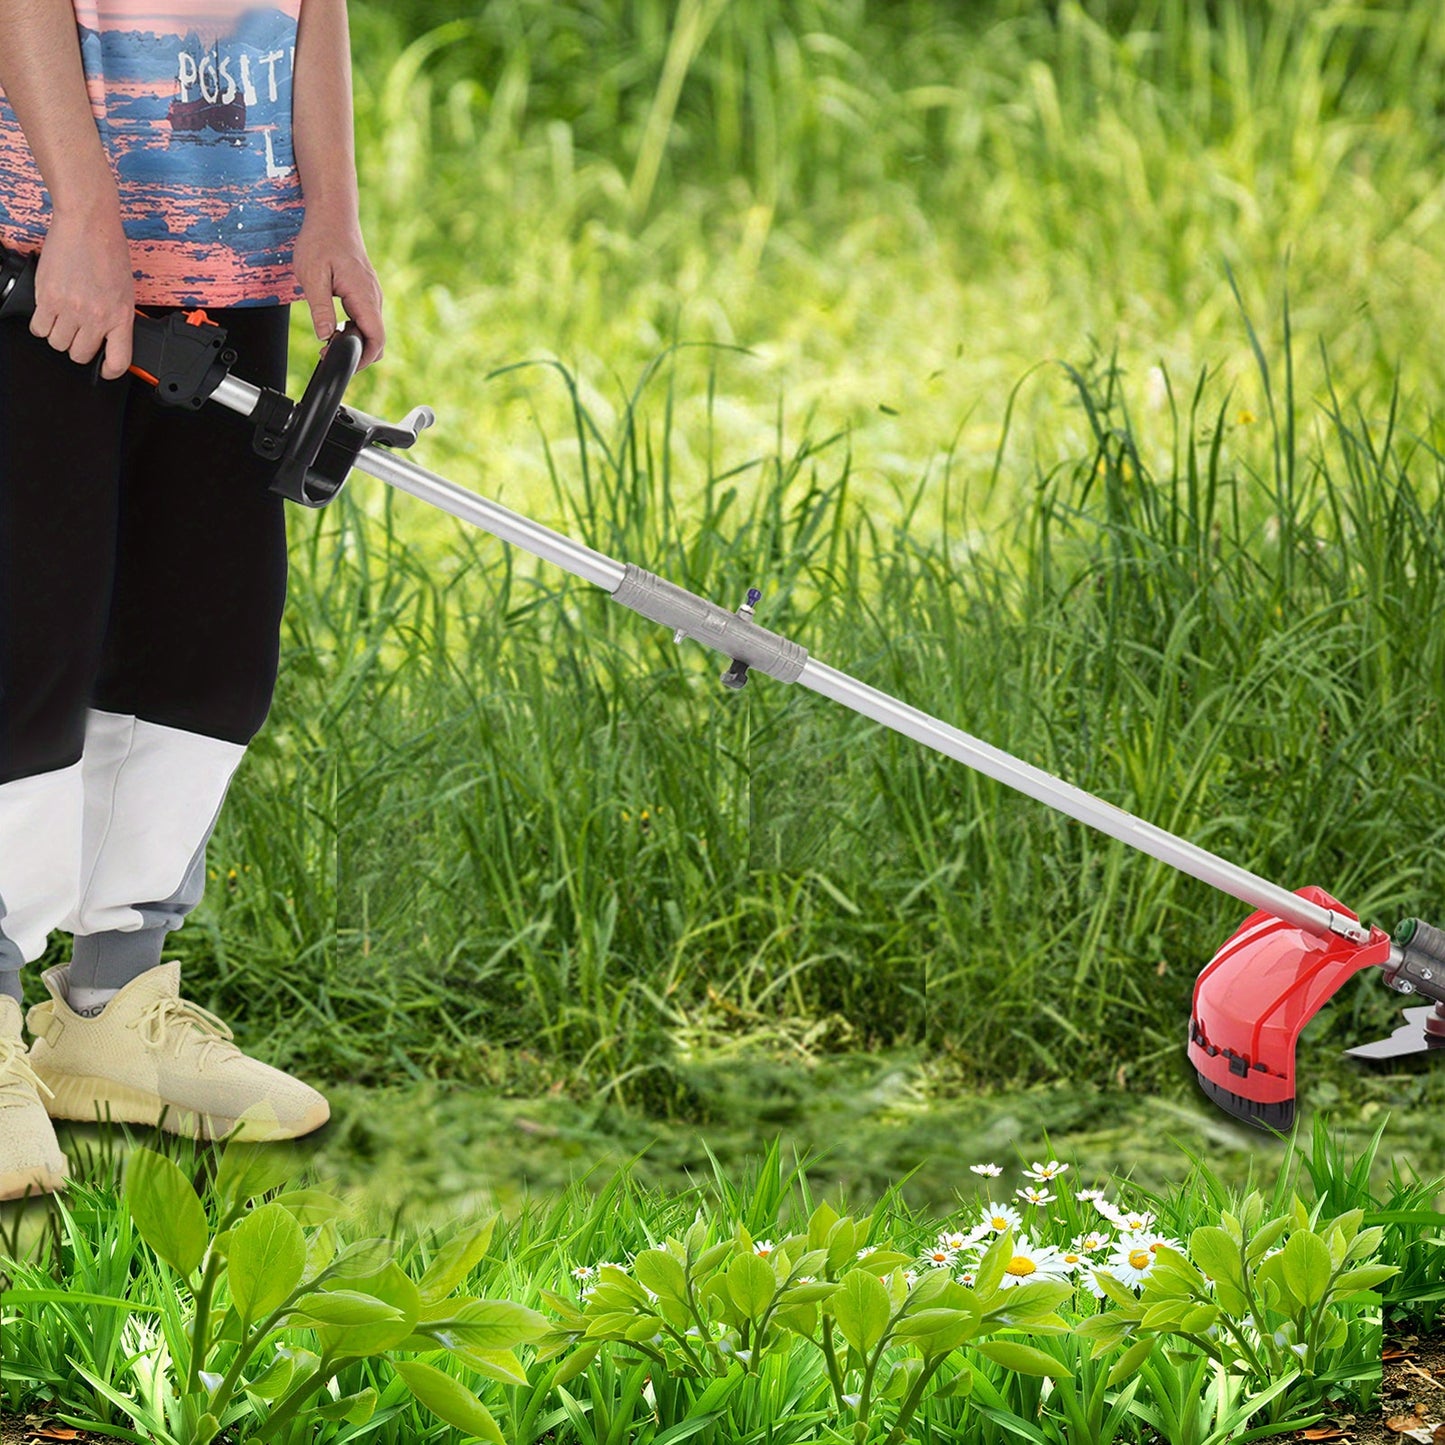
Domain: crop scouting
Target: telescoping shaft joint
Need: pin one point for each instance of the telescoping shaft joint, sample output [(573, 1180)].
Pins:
[(733, 634)]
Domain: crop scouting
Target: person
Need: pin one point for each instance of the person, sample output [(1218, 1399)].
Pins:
[(191, 153)]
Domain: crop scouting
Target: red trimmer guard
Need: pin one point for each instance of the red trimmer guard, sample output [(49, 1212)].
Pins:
[(1253, 1000)]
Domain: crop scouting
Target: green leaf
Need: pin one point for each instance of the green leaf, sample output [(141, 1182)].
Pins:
[(166, 1210), (802, 1294), (455, 1260), (355, 1409), (842, 1243), (1266, 1239), (938, 1330), (500, 1365), (1305, 1265), (389, 1285), (1025, 1303), (1119, 1292), (991, 1267), (822, 1219), (1130, 1361), (662, 1273), (1365, 1243), (711, 1257), (249, 1169), (275, 1380), (320, 1250), (266, 1258), (1106, 1330), (1199, 1318), (491, 1324), (345, 1307), (861, 1309), (901, 1378), (1367, 1276), (959, 1384), (751, 1284), (577, 1361), (310, 1207), (449, 1400), (1216, 1254), (1023, 1359)]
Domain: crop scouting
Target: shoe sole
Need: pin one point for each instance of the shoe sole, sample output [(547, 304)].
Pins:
[(40, 1180), (90, 1100)]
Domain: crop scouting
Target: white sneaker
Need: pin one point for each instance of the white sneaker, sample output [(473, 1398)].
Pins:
[(30, 1157), (152, 1057)]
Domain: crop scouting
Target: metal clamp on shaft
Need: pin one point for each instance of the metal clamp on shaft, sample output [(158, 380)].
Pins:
[(691, 616)]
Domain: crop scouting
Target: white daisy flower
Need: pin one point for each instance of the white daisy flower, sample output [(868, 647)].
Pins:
[(1045, 1173), (1150, 1240), (1073, 1260), (1133, 1221), (960, 1240), (1130, 1263), (1032, 1194), (999, 1217), (966, 1278), (988, 1171), (763, 1247), (866, 1251), (583, 1271), (910, 1277), (1090, 1196), (1091, 1240), (938, 1257), (1031, 1262)]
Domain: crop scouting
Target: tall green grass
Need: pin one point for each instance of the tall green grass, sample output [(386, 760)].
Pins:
[(1194, 570), (555, 831), (898, 209)]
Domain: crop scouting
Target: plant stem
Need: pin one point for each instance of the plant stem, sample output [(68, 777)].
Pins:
[(297, 1396), (831, 1359), (896, 1435)]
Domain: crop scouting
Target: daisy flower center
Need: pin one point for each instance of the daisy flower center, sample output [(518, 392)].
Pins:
[(1021, 1264), (1140, 1258)]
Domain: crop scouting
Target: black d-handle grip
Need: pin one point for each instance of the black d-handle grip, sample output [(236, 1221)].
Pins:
[(17, 285), (297, 477)]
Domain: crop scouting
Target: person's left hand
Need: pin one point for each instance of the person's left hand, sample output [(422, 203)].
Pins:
[(331, 263)]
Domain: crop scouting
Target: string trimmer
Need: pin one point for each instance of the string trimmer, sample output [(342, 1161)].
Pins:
[(1255, 996)]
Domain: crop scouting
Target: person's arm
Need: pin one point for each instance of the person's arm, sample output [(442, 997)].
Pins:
[(84, 290), (330, 256)]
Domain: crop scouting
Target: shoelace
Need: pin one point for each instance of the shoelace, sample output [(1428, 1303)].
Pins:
[(187, 1019), (15, 1072)]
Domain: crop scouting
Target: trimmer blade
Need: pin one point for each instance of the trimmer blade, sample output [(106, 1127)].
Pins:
[(1422, 1032)]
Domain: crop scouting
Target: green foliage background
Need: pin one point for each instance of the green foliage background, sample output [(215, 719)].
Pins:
[(922, 318)]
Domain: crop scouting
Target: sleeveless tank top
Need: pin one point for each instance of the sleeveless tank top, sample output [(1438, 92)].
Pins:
[(193, 102)]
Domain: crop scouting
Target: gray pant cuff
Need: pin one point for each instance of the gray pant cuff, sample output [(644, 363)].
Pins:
[(111, 960), (10, 983)]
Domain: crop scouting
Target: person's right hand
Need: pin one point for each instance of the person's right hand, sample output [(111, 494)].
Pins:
[(84, 289)]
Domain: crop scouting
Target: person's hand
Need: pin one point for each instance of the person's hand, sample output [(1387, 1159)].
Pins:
[(84, 289), (331, 263)]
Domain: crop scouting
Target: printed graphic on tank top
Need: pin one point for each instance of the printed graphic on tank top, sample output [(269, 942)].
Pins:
[(193, 100)]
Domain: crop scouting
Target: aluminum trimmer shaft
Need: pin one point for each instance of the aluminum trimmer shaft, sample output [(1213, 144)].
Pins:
[(749, 645)]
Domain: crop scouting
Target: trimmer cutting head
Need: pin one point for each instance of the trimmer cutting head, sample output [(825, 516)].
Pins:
[(1253, 1000)]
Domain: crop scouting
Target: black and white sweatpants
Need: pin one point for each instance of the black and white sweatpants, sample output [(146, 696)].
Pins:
[(142, 578)]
